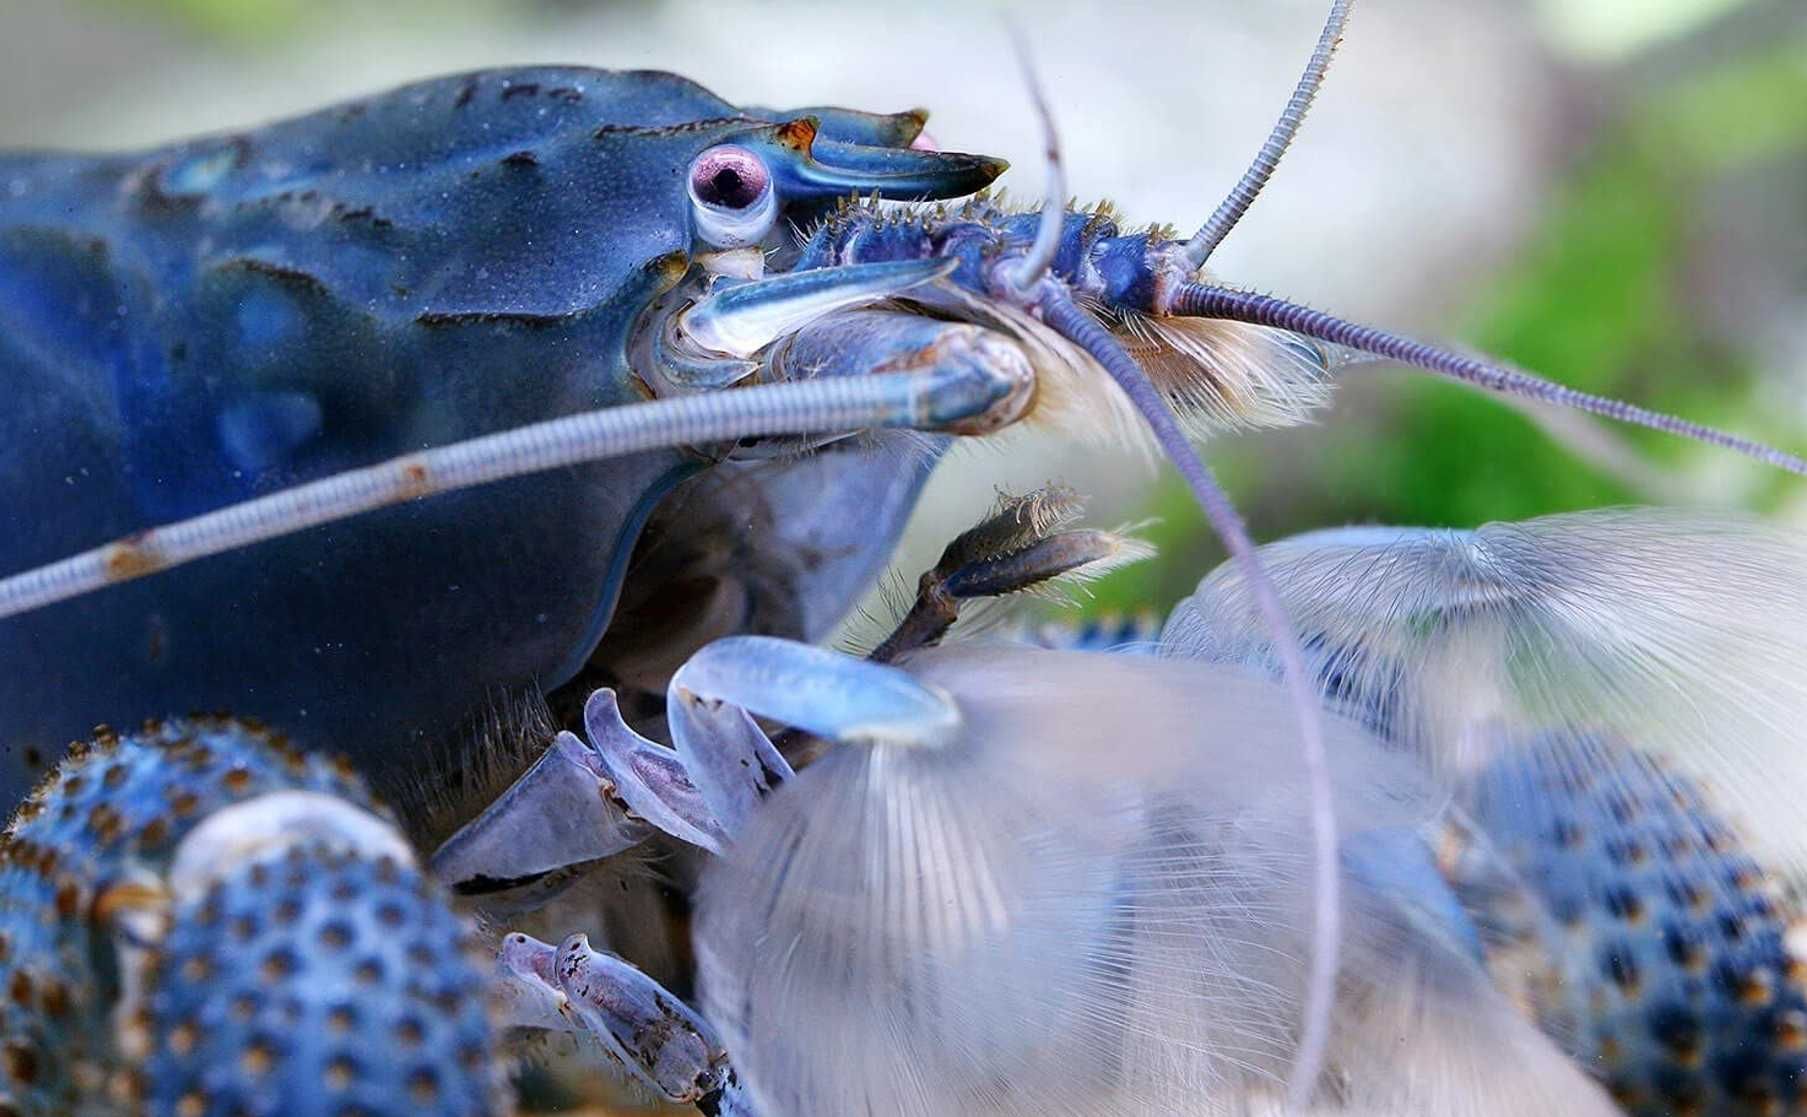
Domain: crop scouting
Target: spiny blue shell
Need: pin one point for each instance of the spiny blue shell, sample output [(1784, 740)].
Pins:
[(116, 802), (319, 986), (47, 1018), (1668, 974), (132, 797), (111, 813)]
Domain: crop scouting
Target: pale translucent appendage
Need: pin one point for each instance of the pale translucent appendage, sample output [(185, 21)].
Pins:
[(1613, 700), (649, 777), (583, 801), (652, 1035), (563, 811), (1683, 633), (702, 790), (727, 756), (707, 788), (1095, 896)]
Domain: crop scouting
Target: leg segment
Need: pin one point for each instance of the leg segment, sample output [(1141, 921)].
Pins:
[(1023, 545), (562, 811), (654, 1036)]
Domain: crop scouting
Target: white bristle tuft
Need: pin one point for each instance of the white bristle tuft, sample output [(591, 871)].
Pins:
[(1681, 635), (1226, 376)]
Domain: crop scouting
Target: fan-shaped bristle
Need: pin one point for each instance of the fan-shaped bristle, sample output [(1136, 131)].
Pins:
[(1226, 376), (1095, 902), (1617, 700), (1683, 634)]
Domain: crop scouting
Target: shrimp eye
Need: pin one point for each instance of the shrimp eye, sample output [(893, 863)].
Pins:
[(731, 196), (728, 177)]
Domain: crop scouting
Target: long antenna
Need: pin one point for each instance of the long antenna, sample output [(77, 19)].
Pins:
[(830, 404), (1051, 297), (1034, 265), (1248, 187), (1208, 300), (1068, 319)]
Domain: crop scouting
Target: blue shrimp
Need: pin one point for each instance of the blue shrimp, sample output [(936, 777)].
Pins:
[(257, 337)]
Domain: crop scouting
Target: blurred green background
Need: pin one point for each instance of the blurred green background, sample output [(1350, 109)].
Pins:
[(1612, 193)]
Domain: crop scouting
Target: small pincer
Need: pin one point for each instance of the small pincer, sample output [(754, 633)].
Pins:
[(650, 779), (662, 1043), (670, 1046), (1027, 544)]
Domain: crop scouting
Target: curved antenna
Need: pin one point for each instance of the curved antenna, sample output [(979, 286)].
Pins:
[(801, 407), (1208, 300), (1029, 284), (1068, 319), (1248, 187), (1034, 265)]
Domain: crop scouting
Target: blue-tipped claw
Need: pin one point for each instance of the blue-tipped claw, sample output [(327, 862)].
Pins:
[(806, 165), (820, 691)]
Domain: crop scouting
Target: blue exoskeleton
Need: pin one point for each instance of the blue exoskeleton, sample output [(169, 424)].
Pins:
[(194, 325), (195, 918), (438, 311)]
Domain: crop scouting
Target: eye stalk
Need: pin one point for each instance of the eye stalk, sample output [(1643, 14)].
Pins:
[(731, 195)]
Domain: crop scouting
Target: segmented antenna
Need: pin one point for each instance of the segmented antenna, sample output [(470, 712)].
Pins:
[(1248, 187), (1055, 302), (794, 408), (1066, 317), (1207, 300), (1034, 265)]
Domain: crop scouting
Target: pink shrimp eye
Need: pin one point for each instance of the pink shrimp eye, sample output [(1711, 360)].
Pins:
[(729, 177)]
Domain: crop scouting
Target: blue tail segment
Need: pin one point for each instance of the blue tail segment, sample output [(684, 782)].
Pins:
[(321, 985), (320, 982), (1667, 967)]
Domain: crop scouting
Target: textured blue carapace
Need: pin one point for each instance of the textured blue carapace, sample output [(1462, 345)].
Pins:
[(96, 840), (1664, 964), (320, 985), (186, 327)]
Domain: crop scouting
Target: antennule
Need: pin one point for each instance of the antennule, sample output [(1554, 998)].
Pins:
[(1248, 187), (1034, 265), (1067, 318), (1207, 300)]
